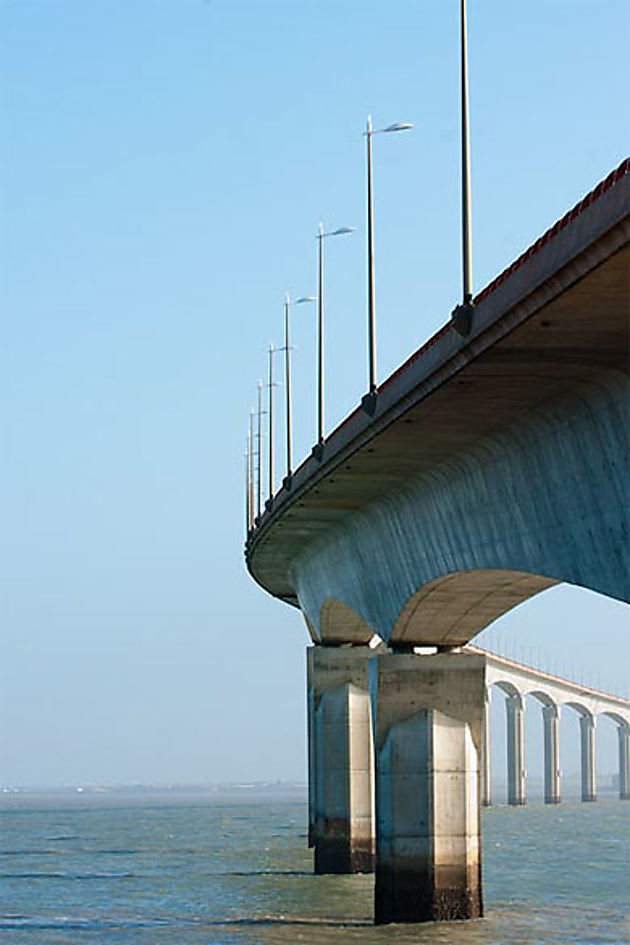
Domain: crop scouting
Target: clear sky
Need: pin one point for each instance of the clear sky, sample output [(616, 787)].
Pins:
[(164, 166)]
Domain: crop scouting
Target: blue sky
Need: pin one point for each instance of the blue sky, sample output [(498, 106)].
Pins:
[(164, 166)]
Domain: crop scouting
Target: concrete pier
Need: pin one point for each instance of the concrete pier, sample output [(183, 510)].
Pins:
[(552, 754), (428, 724), (624, 762), (587, 735), (341, 759), (515, 751), (486, 768)]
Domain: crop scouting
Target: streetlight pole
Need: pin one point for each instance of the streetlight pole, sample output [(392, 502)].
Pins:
[(320, 335), (287, 384), (369, 133), (462, 314), (466, 222), (250, 450), (248, 517), (270, 419), (370, 239), (321, 236), (288, 302), (260, 482)]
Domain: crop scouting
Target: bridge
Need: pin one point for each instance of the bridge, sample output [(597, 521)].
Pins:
[(553, 694), (490, 466)]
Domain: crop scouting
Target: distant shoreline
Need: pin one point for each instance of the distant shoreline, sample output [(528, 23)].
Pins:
[(141, 794), (182, 795)]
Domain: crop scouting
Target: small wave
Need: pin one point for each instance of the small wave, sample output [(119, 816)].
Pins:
[(30, 852), (75, 922), (108, 922), (60, 875), (262, 873), (116, 852)]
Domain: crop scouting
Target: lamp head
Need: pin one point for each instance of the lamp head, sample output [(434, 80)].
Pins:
[(398, 126)]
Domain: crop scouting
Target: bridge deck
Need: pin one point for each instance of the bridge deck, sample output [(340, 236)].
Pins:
[(556, 318)]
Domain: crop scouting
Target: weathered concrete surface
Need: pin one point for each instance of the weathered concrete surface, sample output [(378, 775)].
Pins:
[(341, 759), (551, 746), (486, 767), (515, 751), (589, 778), (495, 465), (428, 725), (624, 762)]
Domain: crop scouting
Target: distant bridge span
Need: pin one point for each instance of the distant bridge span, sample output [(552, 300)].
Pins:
[(553, 693), (488, 467)]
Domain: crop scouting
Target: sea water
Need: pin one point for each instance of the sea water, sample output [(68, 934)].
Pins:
[(238, 872)]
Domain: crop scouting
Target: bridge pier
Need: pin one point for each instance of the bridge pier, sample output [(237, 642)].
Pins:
[(587, 737), (486, 768), (552, 754), (515, 751), (428, 733), (624, 762), (341, 759)]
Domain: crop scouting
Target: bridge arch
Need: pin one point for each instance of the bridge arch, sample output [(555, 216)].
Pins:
[(619, 719), (622, 726), (509, 690), (339, 624), (457, 606), (544, 699)]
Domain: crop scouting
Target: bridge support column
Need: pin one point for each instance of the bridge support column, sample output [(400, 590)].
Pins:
[(552, 754), (428, 725), (515, 751), (341, 760), (587, 733), (624, 762), (486, 790)]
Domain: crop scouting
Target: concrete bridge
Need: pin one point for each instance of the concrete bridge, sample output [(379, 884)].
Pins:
[(553, 694), (489, 467)]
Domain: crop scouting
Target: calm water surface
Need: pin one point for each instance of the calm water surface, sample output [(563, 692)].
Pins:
[(240, 874)]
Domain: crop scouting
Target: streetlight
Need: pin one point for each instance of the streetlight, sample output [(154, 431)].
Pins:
[(248, 507), (321, 236), (271, 385), (250, 469), (288, 302), (462, 314), (259, 437), (369, 133)]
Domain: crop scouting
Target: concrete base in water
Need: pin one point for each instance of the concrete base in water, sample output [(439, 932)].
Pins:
[(341, 760), (428, 723)]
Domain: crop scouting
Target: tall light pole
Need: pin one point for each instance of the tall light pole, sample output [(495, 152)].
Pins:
[(259, 501), (287, 375), (248, 511), (250, 452), (321, 236), (272, 351), (462, 314), (369, 133)]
